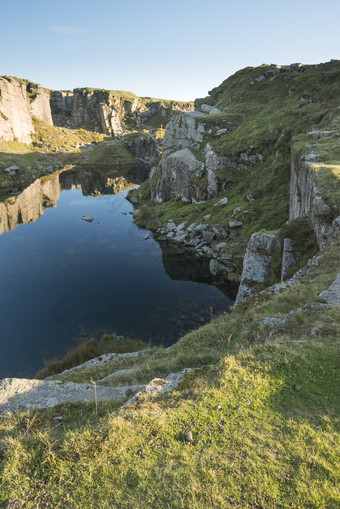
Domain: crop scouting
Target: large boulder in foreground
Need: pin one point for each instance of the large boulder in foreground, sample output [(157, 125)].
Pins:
[(176, 178), (257, 264)]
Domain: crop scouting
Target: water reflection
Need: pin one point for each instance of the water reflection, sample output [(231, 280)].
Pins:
[(64, 280), (29, 206)]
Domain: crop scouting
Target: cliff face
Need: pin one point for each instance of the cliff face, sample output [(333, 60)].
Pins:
[(15, 118), (104, 111), (308, 197), (40, 103), (99, 110)]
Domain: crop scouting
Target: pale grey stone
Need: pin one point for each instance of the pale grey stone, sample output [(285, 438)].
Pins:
[(257, 263), (332, 294), (290, 259), (214, 111), (221, 132), (222, 201), (21, 394), (233, 223), (160, 386)]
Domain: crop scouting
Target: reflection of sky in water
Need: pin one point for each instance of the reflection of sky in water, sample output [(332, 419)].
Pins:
[(64, 280)]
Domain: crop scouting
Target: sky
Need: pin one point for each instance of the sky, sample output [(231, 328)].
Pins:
[(177, 49)]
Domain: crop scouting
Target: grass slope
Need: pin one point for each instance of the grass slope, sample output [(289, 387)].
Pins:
[(262, 409)]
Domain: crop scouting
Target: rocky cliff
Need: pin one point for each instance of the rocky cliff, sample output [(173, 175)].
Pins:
[(245, 161), (104, 111), (309, 192)]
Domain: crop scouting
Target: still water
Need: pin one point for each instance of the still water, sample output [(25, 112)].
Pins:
[(64, 280)]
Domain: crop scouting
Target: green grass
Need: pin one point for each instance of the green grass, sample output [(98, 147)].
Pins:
[(110, 153), (264, 420), (88, 350)]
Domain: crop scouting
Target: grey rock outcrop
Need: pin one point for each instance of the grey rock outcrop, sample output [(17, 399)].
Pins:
[(290, 259), (257, 264), (184, 131), (307, 200), (97, 110), (24, 394), (176, 170)]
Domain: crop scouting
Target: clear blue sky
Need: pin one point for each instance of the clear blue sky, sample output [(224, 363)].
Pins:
[(175, 49)]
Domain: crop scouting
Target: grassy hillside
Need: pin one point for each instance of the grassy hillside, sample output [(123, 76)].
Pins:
[(267, 113), (262, 408)]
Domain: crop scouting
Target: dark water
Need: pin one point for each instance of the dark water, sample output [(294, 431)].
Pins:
[(64, 280)]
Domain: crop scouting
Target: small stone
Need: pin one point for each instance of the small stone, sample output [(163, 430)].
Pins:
[(88, 218), (297, 388), (223, 201), (239, 409), (218, 407), (188, 437), (315, 332), (208, 236), (233, 223)]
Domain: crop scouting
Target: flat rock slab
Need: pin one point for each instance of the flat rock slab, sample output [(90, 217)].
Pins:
[(332, 295), (24, 394)]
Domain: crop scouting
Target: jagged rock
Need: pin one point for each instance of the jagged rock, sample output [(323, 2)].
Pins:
[(214, 161), (307, 200), (290, 259), (257, 263), (332, 294), (174, 182), (184, 131)]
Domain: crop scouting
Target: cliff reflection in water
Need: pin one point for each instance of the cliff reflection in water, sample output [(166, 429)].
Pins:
[(29, 205)]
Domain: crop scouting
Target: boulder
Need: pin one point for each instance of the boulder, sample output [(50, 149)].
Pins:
[(332, 294), (257, 264), (290, 259)]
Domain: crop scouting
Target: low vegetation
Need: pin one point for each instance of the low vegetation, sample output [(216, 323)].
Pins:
[(255, 424)]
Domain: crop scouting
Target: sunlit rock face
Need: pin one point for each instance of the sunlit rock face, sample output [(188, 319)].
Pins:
[(40, 103), (15, 119)]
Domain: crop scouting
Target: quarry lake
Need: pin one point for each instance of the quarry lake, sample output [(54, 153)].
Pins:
[(73, 265)]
